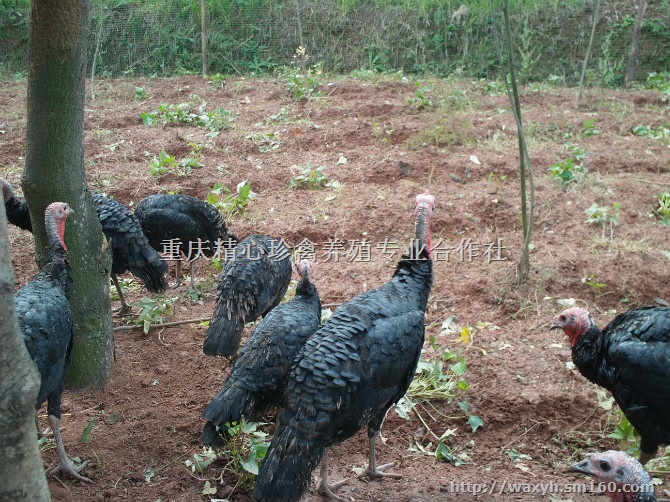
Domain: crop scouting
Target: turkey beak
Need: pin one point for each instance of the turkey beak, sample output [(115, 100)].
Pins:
[(584, 467), (555, 324)]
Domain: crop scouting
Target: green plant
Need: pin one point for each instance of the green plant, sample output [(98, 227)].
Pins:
[(266, 142), (281, 117), (312, 178), (228, 203), (432, 382), (661, 82), (420, 101), (440, 377), (529, 52), (216, 80), (140, 94), (589, 129), (660, 133), (571, 169), (149, 473), (193, 160), (244, 451), (664, 208), (129, 284), (192, 112), (602, 215), (153, 311), (609, 68), (201, 461), (626, 434), (86, 433), (493, 177), (163, 164), (303, 81), (596, 286), (385, 136), (473, 420), (495, 88)]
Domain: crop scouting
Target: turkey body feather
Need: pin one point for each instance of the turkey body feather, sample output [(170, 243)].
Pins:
[(258, 379), (130, 247), (46, 322), (182, 217), (47, 325), (251, 285)]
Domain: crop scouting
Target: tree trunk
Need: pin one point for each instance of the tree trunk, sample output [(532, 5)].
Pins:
[(23, 476), (578, 99), (55, 172), (635, 45), (526, 178), (203, 35)]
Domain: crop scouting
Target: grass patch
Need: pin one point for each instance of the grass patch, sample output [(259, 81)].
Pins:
[(444, 132)]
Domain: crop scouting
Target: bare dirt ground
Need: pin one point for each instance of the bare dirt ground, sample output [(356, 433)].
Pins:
[(539, 414)]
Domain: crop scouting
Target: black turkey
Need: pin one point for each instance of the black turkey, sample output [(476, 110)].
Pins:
[(16, 209), (252, 283), (194, 225), (630, 358), (350, 372), (45, 318), (257, 381), (130, 247)]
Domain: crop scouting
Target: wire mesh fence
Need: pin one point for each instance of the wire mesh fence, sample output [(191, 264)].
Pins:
[(163, 37)]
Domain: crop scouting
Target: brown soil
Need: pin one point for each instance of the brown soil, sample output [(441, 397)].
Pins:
[(539, 414)]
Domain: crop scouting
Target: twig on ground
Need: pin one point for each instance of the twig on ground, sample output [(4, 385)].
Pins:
[(162, 324)]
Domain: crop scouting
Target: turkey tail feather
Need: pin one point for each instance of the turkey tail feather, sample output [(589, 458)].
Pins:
[(229, 405), (223, 335), (287, 469), (151, 271)]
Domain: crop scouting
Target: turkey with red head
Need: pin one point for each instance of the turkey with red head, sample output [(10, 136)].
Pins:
[(350, 372), (47, 325), (630, 358), (130, 247), (621, 476)]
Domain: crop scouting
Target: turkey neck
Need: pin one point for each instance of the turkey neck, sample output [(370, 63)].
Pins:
[(415, 271), (306, 289), (58, 267), (422, 230), (585, 353)]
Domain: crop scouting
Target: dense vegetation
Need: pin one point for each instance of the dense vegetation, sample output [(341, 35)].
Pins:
[(162, 37)]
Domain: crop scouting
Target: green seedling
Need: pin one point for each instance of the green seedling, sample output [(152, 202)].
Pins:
[(230, 204)]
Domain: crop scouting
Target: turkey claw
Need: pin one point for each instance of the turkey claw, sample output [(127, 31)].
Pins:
[(124, 310), (326, 490), (379, 472), (72, 470)]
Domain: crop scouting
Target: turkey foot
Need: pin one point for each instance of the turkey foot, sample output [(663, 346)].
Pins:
[(71, 470), (177, 275), (65, 464), (373, 470), (322, 485), (125, 308)]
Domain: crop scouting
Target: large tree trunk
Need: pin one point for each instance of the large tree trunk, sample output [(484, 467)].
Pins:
[(635, 45), (23, 476), (55, 172)]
